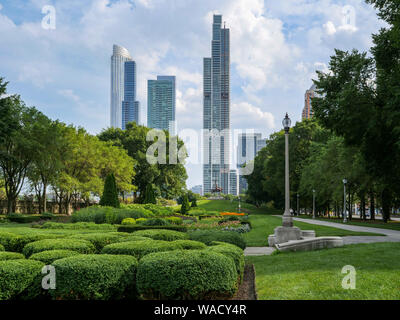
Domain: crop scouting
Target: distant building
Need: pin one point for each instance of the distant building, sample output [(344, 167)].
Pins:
[(216, 109), (249, 144), (197, 189), (123, 105), (161, 101), (130, 107), (310, 94), (233, 182), (118, 59)]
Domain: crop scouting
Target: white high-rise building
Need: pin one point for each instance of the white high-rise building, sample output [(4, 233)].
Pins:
[(118, 59), (216, 110)]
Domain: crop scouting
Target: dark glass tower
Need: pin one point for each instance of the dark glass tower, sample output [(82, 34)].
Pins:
[(216, 110), (130, 107)]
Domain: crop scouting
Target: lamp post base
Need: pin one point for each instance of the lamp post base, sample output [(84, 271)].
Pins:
[(284, 234), (287, 221)]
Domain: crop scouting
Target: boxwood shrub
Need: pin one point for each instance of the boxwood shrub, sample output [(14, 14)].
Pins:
[(99, 240), (17, 276), (18, 243), (95, 277), (189, 244), (166, 235), (231, 251), (186, 274), (5, 239), (138, 227), (4, 255), (78, 225), (82, 246), (20, 218), (49, 256), (133, 238), (208, 236), (139, 249)]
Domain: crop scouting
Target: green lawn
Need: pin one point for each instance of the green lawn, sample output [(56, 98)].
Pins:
[(264, 225), (393, 225), (317, 274)]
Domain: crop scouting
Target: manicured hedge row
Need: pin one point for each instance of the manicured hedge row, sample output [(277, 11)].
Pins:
[(166, 235), (78, 225), (18, 276), (4, 255), (191, 274), (189, 244), (231, 251), (99, 240), (48, 257), (139, 249), (14, 242), (137, 227), (95, 277), (81, 246), (208, 236), (133, 238), (19, 218)]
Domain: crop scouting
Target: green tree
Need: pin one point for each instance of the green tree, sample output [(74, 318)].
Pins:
[(168, 179), (110, 193), (149, 196), (194, 203), (18, 125), (185, 207)]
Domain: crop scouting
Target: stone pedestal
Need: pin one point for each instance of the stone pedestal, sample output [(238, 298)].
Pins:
[(284, 234)]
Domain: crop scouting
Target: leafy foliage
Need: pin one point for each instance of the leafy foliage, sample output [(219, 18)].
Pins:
[(95, 277), (194, 275)]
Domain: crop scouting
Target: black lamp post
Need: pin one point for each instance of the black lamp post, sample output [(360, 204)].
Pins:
[(287, 218)]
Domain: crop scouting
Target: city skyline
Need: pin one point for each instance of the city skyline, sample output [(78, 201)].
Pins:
[(71, 82)]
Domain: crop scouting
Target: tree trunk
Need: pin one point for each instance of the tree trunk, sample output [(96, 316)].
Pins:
[(386, 204), (372, 205), (44, 194)]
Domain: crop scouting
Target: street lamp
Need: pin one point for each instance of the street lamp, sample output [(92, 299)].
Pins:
[(313, 209), (239, 204), (344, 201), (287, 218)]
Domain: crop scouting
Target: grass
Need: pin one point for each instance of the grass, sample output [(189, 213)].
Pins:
[(317, 274), (392, 225), (264, 225)]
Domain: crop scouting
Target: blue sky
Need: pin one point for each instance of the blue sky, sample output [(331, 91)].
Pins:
[(276, 46)]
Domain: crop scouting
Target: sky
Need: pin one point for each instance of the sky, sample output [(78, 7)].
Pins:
[(276, 47)]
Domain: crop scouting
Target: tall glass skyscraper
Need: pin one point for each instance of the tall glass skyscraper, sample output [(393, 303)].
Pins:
[(118, 59), (216, 110), (161, 101), (130, 107)]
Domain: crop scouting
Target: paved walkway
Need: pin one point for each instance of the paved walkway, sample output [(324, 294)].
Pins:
[(390, 236)]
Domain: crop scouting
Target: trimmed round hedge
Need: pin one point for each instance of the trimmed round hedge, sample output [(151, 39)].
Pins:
[(186, 274), (208, 236), (49, 256), (82, 246), (139, 249), (15, 242), (95, 277), (18, 276), (133, 238), (189, 244), (231, 251), (166, 235), (4, 255), (99, 240)]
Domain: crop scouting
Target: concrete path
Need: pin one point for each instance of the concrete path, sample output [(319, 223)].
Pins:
[(258, 251)]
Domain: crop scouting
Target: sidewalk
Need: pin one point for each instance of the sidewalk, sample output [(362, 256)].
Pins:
[(391, 235)]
